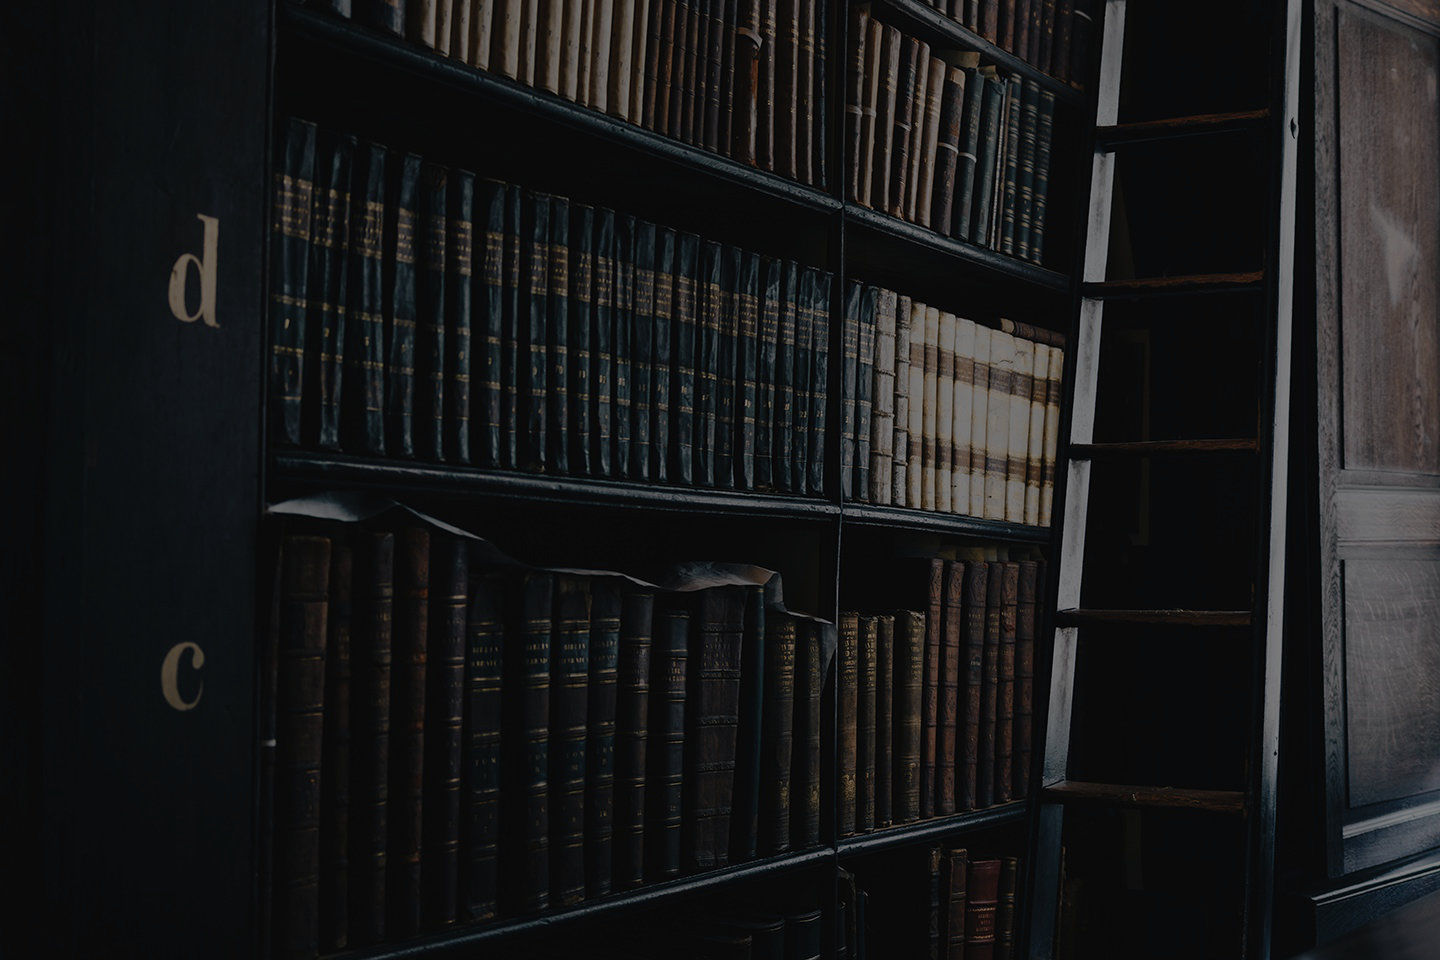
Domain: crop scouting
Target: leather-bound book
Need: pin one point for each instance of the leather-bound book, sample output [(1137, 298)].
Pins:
[(726, 370), (868, 684), (926, 138), (979, 419), (819, 378), (632, 726), (765, 94), (1005, 913), (982, 884), (900, 449), (600, 722), (602, 346), (512, 363), (388, 15), (639, 57), (597, 53), (662, 356), (695, 46), (944, 412), (299, 712), (505, 37), (570, 49), (709, 317), (569, 700), (1035, 454), (805, 756), (989, 686), (557, 334), (666, 750), (934, 582), (784, 432), (803, 935), (1026, 613), (962, 416), (777, 728), (642, 348), (988, 24), (888, 98), (992, 128), (976, 585), (622, 51), (480, 800), (1021, 386), (806, 104), (912, 51), (971, 126), (488, 331), (804, 385), (747, 384), (420, 20), (867, 155), (1031, 53), (621, 343), (953, 869), (820, 96), (1009, 172), (1046, 40), (399, 297), (1025, 163), (866, 389), (885, 715), (585, 88), (715, 74), (444, 718), (1020, 43), (459, 30), (335, 754), (711, 722), (1005, 39), (1052, 433), (407, 741), (684, 342), (1005, 683), (482, 32), (363, 409), (535, 364), (904, 202), (525, 808), (661, 12), (950, 646), (947, 149), (930, 407), (997, 429), (1059, 65), (745, 101), (672, 72), (745, 809), (915, 467), (766, 396), (459, 343), (849, 372), (581, 304), (787, 86), (290, 219), (430, 314), (372, 603), (848, 720), (1045, 121), (934, 927)]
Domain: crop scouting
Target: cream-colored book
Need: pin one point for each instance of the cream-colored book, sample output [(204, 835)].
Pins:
[(622, 46), (420, 18), (979, 417), (931, 405), (915, 482), (603, 29), (905, 203), (882, 416), (1035, 454), (587, 53), (482, 28), (961, 418), (944, 412), (459, 29), (569, 86), (923, 182), (530, 42), (1052, 433), (638, 51), (1021, 384), (997, 423), (550, 62), (900, 461), (505, 37)]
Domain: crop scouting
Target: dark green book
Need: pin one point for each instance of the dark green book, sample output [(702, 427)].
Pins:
[(557, 342), (569, 702), (819, 381), (1025, 179), (582, 287), (534, 364), (804, 368), (850, 397), (512, 305), (290, 219), (488, 321), (666, 748), (865, 389), (363, 411), (710, 306), (685, 344), (662, 354), (970, 132), (525, 808), (325, 312), (399, 283), (777, 729), (459, 355), (747, 377), (622, 343), (642, 347), (784, 415), (768, 345), (1045, 121), (726, 409), (480, 810), (1010, 176), (444, 719), (744, 816), (602, 350), (992, 126), (632, 726), (430, 315), (600, 736)]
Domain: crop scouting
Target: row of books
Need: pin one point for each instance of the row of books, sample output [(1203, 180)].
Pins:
[(1053, 35), (972, 910), (949, 415), (456, 740), (743, 79), (936, 704), (419, 311), (939, 140)]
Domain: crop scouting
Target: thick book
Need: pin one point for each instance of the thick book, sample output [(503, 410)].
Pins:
[(784, 431), (430, 314), (866, 723), (900, 450), (805, 759), (856, 82), (997, 426), (977, 579), (399, 279), (685, 342), (363, 410), (482, 32), (768, 337), (1025, 183), (866, 323), (947, 149), (711, 722), (915, 468), (666, 748), (848, 720), (602, 346), (962, 415), (1022, 385), (909, 687), (569, 702), (1005, 913), (1026, 616), (906, 83), (745, 812), (459, 343), (661, 13), (971, 130), (372, 604), (726, 383), (882, 415), (557, 345), (621, 344), (982, 883), (719, 46), (580, 322), (950, 646), (953, 870), (888, 99), (335, 753), (420, 20), (407, 741), (747, 374), (505, 37), (945, 412), (488, 330), (979, 418), (884, 720), (1005, 684), (642, 350), (622, 51), (934, 594), (533, 389), (870, 92), (632, 728), (480, 800), (512, 305), (444, 719), (525, 808), (663, 353), (930, 404), (600, 726), (922, 168), (777, 727), (989, 686), (595, 80), (290, 219), (299, 723)]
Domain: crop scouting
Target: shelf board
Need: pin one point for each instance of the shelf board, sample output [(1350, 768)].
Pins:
[(1221, 619), (1200, 125), (936, 28), (927, 831), (1162, 448), (951, 524), (1146, 797), (328, 469), (462, 941)]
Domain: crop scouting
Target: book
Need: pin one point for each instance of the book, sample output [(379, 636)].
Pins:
[(989, 685), (987, 157), (1025, 630), (334, 873), (685, 337), (820, 377), (444, 719), (1045, 120), (480, 800), (971, 131), (293, 202), (804, 386), (1052, 433), (569, 699), (430, 314), (710, 312), (488, 335), (944, 412), (326, 278), (911, 52), (777, 727), (887, 102), (865, 397), (482, 32), (950, 647), (642, 349), (885, 714), (387, 15), (663, 356), (767, 418), (602, 26), (600, 726), (930, 693), (665, 764), (954, 868), (848, 720), (947, 150), (869, 111), (766, 92), (512, 364), (407, 743), (459, 353), (979, 419), (883, 416), (622, 333), (1008, 173), (915, 468), (713, 699), (962, 415), (749, 47), (533, 388), (372, 605), (602, 347), (632, 728), (1035, 446), (621, 67), (909, 685), (580, 303), (982, 883), (1005, 913), (856, 83), (1018, 448), (714, 75), (900, 460), (525, 809), (1059, 65), (1025, 186), (745, 810), (866, 724), (420, 20), (935, 940), (805, 760), (849, 372), (727, 340), (661, 14), (1005, 683), (930, 406), (805, 120), (506, 33), (785, 381), (787, 87), (976, 591), (922, 174)]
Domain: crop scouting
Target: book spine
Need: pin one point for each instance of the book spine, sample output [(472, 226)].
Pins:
[(581, 303), (859, 28), (407, 769), (335, 754), (1059, 66), (787, 87), (661, 13), (683, 399), (1045, 124), (907, 81), (1022, 385), (444, 747), (726, 371), (968, 154), (705, 324), (299, 708), (665, 760), (819, 96), (1025, 185), (1005, 909), (867, 393), (867, 725), (482, 32), (672, 69), (1035, 453), (987, 160), (460, 30), (632, 726), (693, 94), (662, 362), (952, 919), (989, 686), (934, 927), (600, 720), (767, 361), (1009, 173), (639, 57), (293, 202), (749, 47), (748, 376), (602, 346), (765, 97), (805, 767), (922, 189), (569, 698), (363, 412), (745, 809), (1020, 43), (557, 346), (776, 735), (505, 41), (997, 428), (535, 365), (642, 350), (947, 149), (885, 714), (714, 690), (512, 363), (820, 378), (622, 344), (715, 73), (962, 416), (930, 406), (881, 304), (420, 17), (430, 304), (1005, 684), (1025, 620), (977, 578), (784, 433), (602, 26), (915, 469), (900, 460), (848, 678), (979, 418), (399, 306), (945, 412), (869, 115), (804, 386), (950, 645), (372, 625), (525, 809), (1052, 433), (1047, 35), (930, 693), (532, 43), (459, 356), (805, 102), (480, 813), (489, 321), (849, 372), (622, 50), (982, 884), (1037, 33)]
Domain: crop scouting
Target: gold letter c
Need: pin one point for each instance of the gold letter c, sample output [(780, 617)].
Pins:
[(171, 668)]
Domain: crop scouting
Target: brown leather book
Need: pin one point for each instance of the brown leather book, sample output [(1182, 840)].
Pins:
[(867, 683), (687, 43), (671, 72), (407, 743), (765, 96), (953, 869), (335, 755), (924, 189), (1005, 696), (884, 720), (1005, 908), (569, 699), (1027, 616), (525, 810), (600, 725), (777, 728), (482, 32), (639, 57), (990, 20), (930, 694), (709, 135), (787, 86), (982, 884), (855, 85), (848, 712), (886, 102), (915, 148), (1037, 19), (665, 753), (444, 717), (746, 103), (650, 89), (299, 725), (480, 804), (906, 84), (1006, 39), (977, 578), (373, 603), (947, 156), (950, 644), (729, 37), (1047, 35), (805, 103), (711, 721), (989, 686), (622, 64), (866, 154), (805, 759), (909, 680), (1059, 65), (632, 712), (1021, 44)]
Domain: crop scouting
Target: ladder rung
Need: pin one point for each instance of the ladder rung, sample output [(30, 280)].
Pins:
[(1160, 448), (1171, 286), (1166, 798), (1205, 124), (1181, 618)]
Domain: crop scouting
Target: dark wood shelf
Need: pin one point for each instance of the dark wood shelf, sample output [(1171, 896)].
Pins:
[(332, 469), (1160, 798), (1252, 282), (936, 28), (951, 524), (1200, 125), (463, 941), (927, 831), (1158, 618), (1161, 448)]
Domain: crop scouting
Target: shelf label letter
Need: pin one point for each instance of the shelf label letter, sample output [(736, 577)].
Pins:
[(205, 266), (169, 675)]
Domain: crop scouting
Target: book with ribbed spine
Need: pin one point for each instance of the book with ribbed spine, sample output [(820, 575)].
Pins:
[(930, 407), (407, 741), (767, 397), (1021, 386), (866, 322), (711, 722), (1005, 684), (971, 130), (923, 170), (1032, 53), (765, 87), (856, 83), (979, 419), (621, 65), (819, 97), (976, 588), (726, 382), (398, 281), (525, 808), (600, 723), (960, 420), (714, 75), (749, 48), (900, 459), (335, 754), (709, 316), (786, 87), (1008, 186), (581, 310), (362, 413), (430, 314), (909, 687), (1005, 911), (505, 37), (989, 685), (934, 571), (997, 422), (884, 720), (1035, 447), (488, 321), (777, 727), (866, 724), (1025, 184), (569, 702), (915, 469), (745, 811), (1020, 39), (804, 385), (982, 883), (907, 82), (642, 349), (370, 646), (1047, 35), (665, 752), (293, 202), (602, 349), (1026, 613), (480, 800), (849, 372), (650, 82), (639, 56), (820, 377), (950, 647), (622, 332), (1052, 433), (533, 389), (870, 92), (459, 354), (1045, 121), (692, 114), (784, 430), (482, 32), (602, 24), (953, 868), (947, 149), (882, 417), (888, 99), (916, 148), (988, 156), (805, 120), (747, 401), (444, 717), (557, 340), (685, 343), (1059, 65), (945, 413), (847, 720), (805, 758), (632, 727), (671, 67), (512, 304), (662, 354)]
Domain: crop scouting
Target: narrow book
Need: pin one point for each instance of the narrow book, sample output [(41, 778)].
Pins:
[(787, 86), (767, 362), (489, 330), (930, 694), (923, 168), (512, 303), (979, 419), (363, 412), (1005, 684), (950, 646), (900, 460), (982, 884), (459, 354), (909, 684), (930, 404), (600, 746), (533, 388), (399, 286), (728, 342), (776, 734), (557, 343), (444, 719), (622, 314), (820, 377), (747, 374), (882, 414), (971, 126), (884, 720), (1005, 912), (847, 719), (712, 719), (962, 417), (849, 358), (581, 315), (856, 82), (632, 727), (953, 870), (989, 686), (480, 801), (709, 319), (685, 343), (407, 744), (1052, 433), (1022, 384), (1035, 453), (867, 321), (430, 314), (977, 578), (569, 700), (525, 806), (370, 647), (666, 747), (947, 149), (745, 813), (784, 434), (642, 348), (866, 724), (1025, 619), (335, 754), (889, 97), (602, 345), (869, 111), (293, 202), (915, 469), (907, 81), (805, 761), (663, 354), (997, 427), (945, 412)]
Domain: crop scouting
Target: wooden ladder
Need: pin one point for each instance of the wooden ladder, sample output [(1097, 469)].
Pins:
[(1256, 802)]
